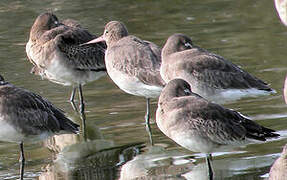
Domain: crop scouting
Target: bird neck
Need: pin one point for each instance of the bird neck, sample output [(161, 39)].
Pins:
[(167, 50), (36, 33)]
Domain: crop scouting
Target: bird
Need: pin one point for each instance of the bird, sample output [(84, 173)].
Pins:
[(55, 52), (209, 74), (203, 126), (278, 170), (26, 116), (281, 6), (132, 63), (285, 90)]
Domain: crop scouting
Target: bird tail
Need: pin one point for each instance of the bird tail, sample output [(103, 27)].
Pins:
[(258, 132), (70, 126)]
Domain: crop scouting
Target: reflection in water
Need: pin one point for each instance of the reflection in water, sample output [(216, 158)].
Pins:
[(58, 142), (156, 162), (97, 159), (160, 163)]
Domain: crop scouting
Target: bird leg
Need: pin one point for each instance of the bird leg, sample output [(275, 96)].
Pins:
[(72, 99), (209, 168), (82, 111), (22, 161), (81, 99), (147, 120)]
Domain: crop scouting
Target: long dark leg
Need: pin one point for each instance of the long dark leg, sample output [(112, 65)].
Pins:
[(72, 99), (209, 168), (147, 120), (81, 99), (82, 111), (22, 161)]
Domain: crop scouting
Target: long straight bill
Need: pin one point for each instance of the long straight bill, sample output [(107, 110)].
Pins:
[(99, 39)]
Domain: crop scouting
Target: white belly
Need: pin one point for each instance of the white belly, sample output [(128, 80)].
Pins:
[(9, 133), (66, 75), (131, 84)]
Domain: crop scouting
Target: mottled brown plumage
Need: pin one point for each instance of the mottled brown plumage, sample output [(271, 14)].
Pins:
[(52, 42), (55, 50)]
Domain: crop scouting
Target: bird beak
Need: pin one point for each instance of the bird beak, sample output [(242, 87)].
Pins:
[(99, 39)]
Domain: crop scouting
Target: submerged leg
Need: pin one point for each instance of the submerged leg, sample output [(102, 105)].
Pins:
[(147, 120), (22, 161), (209, 168), (82, 111), (72, 99)]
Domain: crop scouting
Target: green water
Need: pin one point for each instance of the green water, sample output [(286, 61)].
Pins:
[(246, 32)]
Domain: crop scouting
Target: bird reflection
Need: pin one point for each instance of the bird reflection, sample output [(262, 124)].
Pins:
[(157, 162), (95, 159), (58, 142)]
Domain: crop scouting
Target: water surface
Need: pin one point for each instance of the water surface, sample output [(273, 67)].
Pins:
[(248, 33)]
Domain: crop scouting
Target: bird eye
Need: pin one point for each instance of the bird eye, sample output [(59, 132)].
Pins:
[(187, 91), (56, 22)]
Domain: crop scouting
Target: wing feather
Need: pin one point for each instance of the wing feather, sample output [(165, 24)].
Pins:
[(30, 113), (138, 58)]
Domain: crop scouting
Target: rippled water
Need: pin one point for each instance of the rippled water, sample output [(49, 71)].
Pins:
[(248, 33)]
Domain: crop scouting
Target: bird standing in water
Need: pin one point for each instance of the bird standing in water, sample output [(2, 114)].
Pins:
[(26, 116), (54, 50), (133, 64), (202, 126)]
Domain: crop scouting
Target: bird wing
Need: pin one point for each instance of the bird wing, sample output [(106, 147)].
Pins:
[(68, 40), (214, 122), (86, 57), (71, 23), (217, 72), (20, 106), (138, 58), (220, 125)]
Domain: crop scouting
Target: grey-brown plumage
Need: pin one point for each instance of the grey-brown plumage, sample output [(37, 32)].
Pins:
[(26, 116), (30, 114), (202, 126), (71, 23), (137, 59), (133, 64), (278, 170), (133, 56), (54, 50), (208, 74), (50, 39)]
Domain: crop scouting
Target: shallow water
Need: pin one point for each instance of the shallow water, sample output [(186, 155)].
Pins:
[(249, 33)]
